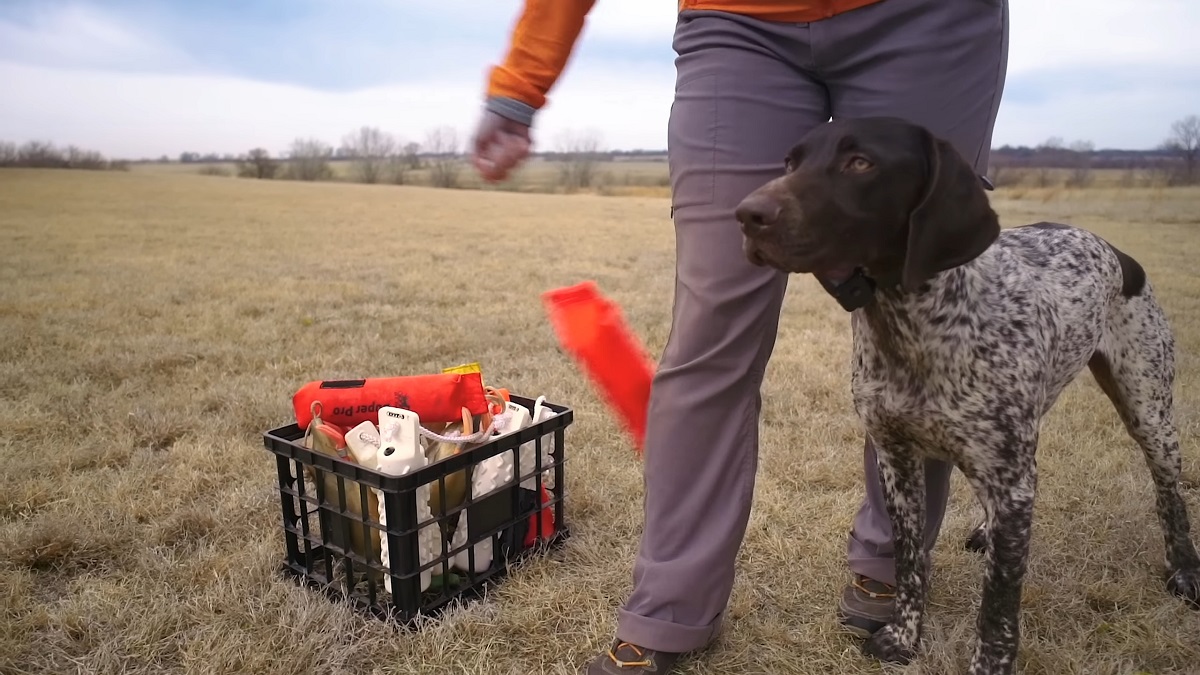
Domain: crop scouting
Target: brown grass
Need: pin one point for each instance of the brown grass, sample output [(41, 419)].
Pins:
[(153, 325)]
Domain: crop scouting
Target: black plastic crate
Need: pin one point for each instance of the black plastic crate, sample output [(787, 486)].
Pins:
[(333, 541)]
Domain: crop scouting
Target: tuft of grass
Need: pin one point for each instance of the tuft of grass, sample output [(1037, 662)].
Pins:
[(154, 324), (59, 544)]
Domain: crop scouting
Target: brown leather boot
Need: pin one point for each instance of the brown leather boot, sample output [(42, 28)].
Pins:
[(866, 606), (624, 658)]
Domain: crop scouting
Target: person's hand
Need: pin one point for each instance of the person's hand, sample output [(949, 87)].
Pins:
[(500, 145)]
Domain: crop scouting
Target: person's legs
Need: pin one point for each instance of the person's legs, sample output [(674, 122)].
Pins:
[(939, 64), (741, 101)]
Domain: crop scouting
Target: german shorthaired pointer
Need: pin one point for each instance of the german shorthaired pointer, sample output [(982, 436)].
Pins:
[(964, 337)]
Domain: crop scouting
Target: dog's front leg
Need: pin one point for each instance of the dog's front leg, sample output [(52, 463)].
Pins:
[(1008, 496), (902, 474)]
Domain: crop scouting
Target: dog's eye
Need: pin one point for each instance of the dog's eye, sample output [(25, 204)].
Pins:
[(858, 164)]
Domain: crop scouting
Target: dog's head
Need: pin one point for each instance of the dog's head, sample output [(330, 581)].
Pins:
[(879, 194)]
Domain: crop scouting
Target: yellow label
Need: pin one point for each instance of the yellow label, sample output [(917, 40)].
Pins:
[(464, 369)]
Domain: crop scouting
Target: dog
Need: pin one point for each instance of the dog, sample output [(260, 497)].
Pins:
[(964, 336)]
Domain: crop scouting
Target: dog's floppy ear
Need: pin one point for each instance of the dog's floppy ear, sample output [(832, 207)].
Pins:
[(952, 222)]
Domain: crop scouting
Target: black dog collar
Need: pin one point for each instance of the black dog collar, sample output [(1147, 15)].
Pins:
[(854, 293)]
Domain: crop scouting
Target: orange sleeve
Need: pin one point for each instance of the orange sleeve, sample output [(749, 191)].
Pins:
[(540, 45)]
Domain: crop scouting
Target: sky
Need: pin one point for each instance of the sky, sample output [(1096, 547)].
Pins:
[(144, 78)]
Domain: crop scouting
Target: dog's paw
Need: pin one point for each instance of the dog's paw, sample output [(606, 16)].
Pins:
[(1186, 584), (977, 541), (979, 667), (887, 646)]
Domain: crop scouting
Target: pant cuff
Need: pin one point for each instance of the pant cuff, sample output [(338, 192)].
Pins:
[(874, 568), (664, 636)]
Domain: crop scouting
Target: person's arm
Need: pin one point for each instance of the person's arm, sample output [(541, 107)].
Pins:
[(541, 43)]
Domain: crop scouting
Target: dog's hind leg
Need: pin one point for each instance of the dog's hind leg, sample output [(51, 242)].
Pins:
[(1135, 367), (977, 541)]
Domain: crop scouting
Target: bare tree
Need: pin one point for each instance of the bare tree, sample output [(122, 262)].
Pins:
[(370, 149), (441, 145), (579, 159), (1052, 144), (1185, 142), (257, 164), (397, 169), (39, 155), (1081, 171), (1045, 156), (309, 160), (46, 155), (412, 155), (78, 158), (403, 161)]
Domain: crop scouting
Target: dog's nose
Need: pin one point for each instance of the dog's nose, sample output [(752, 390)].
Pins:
[(757, 213)]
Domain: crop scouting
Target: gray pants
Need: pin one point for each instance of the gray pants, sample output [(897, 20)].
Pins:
[(746, 91)]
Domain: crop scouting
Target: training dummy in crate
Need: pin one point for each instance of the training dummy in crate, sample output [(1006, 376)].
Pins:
[(460, 468)]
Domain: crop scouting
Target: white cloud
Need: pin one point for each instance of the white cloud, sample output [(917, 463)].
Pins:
[(629, 105), (137, 115), (644, 21), (625, 20), (72, 34), (128, 114), (1087, 33), (1139, 119)]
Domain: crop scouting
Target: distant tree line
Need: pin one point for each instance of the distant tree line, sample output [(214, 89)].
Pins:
[(1173, 163), (373, 155), (1012, 165), (376, 156), (46, 155)]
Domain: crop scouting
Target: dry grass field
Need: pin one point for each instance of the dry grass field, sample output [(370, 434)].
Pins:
[(154, 324)]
